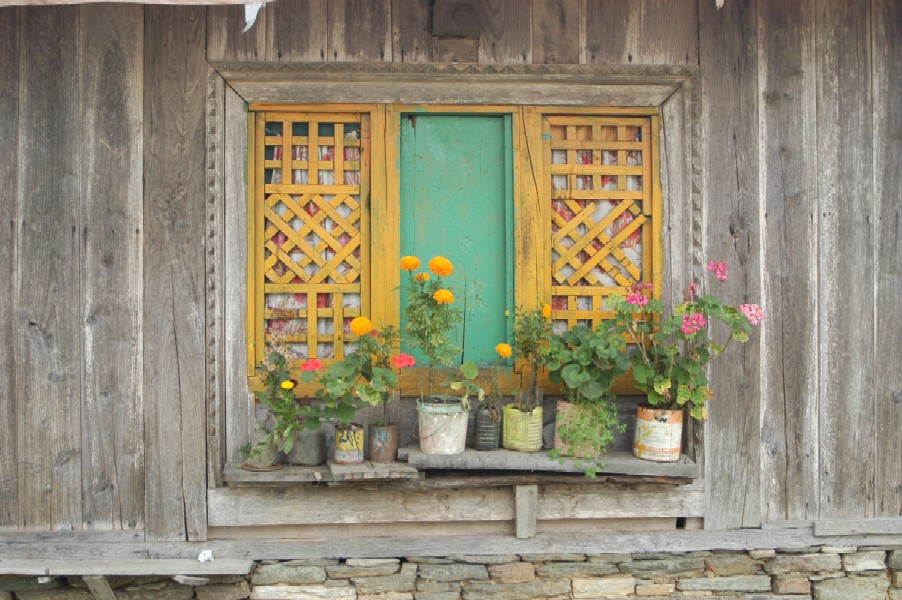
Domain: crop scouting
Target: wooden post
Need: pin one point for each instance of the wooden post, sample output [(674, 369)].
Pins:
[(100, 587), (527, 499)]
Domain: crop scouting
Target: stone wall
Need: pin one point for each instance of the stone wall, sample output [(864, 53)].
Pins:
[(824, 573)]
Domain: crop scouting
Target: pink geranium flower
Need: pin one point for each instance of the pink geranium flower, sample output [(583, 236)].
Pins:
[(719, 270), (311, 364), (693, 322), (403, 360), (637, 299), (753, 312)]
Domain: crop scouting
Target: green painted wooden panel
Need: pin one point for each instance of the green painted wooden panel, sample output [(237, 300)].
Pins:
[(457, 201)]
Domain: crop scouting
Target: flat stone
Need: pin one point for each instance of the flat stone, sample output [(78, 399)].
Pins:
[(55, 595), (896, 578), (895, 594), (301, 592), (864, 561), (670, 567), (388, 596), (348, 571), (238, 591), (610, 558), (803, 563), (428, 560), (768, 553), (553, 557), (734, 583), (576, 569), (655, 589), (754, 596), (603, 587), (288, 573), (654, 556), (792, 585), (22, 583), (452, 572), (405, 581), (6, 596), (438, 586), (437, 596), (156, 591), (515, 572), (894, 560), (846, 588), (499, 559), (488, 590), (838, 549), (371, 562), (732, 564)]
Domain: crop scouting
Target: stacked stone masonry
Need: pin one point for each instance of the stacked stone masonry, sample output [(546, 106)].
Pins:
[(824, 573)]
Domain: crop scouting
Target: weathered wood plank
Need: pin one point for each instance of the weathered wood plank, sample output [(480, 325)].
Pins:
[(112, 428), (887, 78), (175, 89), (49, 349), (99, 587), (845, 260), (555, 31), (224, 37), (506, 32), (359, 31), (9, 138), (127, 567), (526, 499), (371, 471), (728, 51), (108, 536), (456, 18), (789, 435), (620, 502), (858, 527), (295, 30), (410, 33), (641, 32)]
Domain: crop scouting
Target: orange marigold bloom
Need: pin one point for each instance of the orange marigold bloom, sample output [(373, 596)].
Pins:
[(443, 297), (410, 263), (361, 326), (546, 311), (503, 350), (441, 266), (422, 277)]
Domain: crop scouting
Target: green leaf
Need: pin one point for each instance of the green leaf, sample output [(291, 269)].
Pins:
[(662, 384), (469, 370)]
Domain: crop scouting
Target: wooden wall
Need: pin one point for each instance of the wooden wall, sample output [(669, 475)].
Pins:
[(102, 114)]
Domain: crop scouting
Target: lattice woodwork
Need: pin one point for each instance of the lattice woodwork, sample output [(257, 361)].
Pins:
[(310, 230), (599, 186)]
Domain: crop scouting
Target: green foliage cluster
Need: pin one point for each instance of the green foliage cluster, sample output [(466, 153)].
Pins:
[(532, 337)]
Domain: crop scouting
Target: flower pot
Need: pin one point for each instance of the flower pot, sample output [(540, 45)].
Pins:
[(263, 458), (522, 430), (309, 448), (486, 431), (659, 434), (566, 412), (382, 443), (442, 422), (349, 444)]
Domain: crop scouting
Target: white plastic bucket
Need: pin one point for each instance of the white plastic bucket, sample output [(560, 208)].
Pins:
[(443, 426)]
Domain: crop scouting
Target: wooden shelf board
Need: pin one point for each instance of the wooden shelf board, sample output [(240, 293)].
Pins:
[(328, 473)]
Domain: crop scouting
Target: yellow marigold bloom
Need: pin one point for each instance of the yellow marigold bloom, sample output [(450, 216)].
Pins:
[(409, 263), (503, 350), (422, 277), (441, 266), (361, 326), (443, 297), (546, 311), (287, 385)]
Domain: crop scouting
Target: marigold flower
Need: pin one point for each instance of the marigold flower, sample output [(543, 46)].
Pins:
[(311, 364), (443, 297), (719, 270), (546, 311), (403, 360), (692, 323), (422, 276), (753, 312), (503, 350), (361, 326), (410, 263), (287, 385), (441, 266), (637, 299)]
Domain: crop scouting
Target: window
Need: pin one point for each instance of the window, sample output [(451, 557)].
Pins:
[(560, 204)]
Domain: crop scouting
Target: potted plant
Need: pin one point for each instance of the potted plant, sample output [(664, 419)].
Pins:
[(586, 362), (430, 317), (522, 421), (671, 353), (277, 393), (487, 422)]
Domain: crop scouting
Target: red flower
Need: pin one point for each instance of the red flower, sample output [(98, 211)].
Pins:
[(403, 360), (311, 364)]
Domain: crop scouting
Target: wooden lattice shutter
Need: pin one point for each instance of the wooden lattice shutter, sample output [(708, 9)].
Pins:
[(603, 206), (311, 180)]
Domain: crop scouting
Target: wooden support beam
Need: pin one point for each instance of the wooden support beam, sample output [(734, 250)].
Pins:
[(890, 526), (526, 508), (100, 587), (98, 569)]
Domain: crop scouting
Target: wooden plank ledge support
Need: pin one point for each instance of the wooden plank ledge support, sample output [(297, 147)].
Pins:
[(526, 510), (129, 567), (888, 526), (99, 586)]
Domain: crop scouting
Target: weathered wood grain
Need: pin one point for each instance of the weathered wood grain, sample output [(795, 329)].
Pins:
[(887, 78), (295, 30), (175, 76), (526, 498), (729, 78), (359, 31), (555, 31), (225, 40), (845, 260), (410, 32), (9, 139), (641, 32), (789, 434), (128, 567), (111, 164), (621, 502), (456, 18), (506, 32), (881, 526), (50, 250)]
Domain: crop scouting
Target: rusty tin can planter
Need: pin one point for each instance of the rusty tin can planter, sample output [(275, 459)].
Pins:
[(382, 443), (349, 444), (309, 448), (486, 430), (659, 434), (522, 430)]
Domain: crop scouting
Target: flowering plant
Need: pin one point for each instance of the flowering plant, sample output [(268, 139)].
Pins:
[(429, 311), (672, 351), (532, 341), (284, 413)]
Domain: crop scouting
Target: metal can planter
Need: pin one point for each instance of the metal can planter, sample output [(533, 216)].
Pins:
[(486, 430), (382, 443), (309, 448), (659, 434), (349, 444), (522, 430), (442, 423)]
